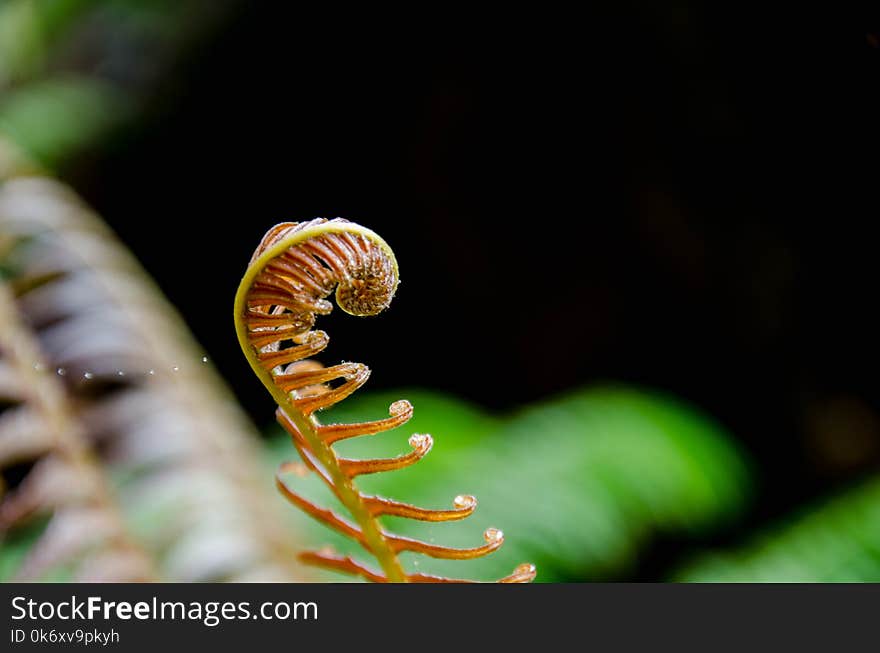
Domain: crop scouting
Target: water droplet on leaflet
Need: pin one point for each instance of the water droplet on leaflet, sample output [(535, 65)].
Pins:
[(420, 441), (88, 375), (61, 371), (152, 372), (176, 368), (493, 535), (120, 373), (39, 367), (204, 359), (464, 501)]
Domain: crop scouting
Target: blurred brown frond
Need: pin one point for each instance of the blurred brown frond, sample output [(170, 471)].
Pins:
[(63, 482), (146, 398), (295, 268)]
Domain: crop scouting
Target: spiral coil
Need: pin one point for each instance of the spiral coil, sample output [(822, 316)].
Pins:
[(291, 274)]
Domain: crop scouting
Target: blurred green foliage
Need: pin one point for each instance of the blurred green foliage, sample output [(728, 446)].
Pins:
[(578, 484), (53, 117), (29, 31), (48, 108), (73, 70), (838, 541)]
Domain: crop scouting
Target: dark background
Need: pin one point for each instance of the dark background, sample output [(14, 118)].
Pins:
[(672, 197)]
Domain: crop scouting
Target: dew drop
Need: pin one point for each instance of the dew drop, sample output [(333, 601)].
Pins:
[(61, 371), (88, 375), (493, 535), (464, 501), (399, 408), (152, 372), (176, 368), (204, 359), (120, 373), (420, 441), (39, 367)]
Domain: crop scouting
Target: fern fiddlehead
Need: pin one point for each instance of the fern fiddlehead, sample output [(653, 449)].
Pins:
[(291, 274)]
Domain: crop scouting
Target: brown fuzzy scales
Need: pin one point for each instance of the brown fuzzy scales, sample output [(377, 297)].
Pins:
[(280, 308)]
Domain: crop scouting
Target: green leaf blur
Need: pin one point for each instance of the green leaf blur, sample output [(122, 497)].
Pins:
[(837, 541), (578, 484)]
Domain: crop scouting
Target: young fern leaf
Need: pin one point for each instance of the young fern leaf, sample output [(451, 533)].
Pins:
[(295, 268)]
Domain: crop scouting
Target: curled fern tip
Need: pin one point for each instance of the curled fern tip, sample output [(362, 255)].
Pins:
[(296, 267)]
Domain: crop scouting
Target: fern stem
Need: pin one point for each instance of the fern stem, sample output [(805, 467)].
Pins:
[(347, 490)]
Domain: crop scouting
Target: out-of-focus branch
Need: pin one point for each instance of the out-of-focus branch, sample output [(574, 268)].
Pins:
[(147, 398)]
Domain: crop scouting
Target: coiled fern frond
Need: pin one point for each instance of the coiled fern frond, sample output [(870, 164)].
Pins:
[(291, 274)]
